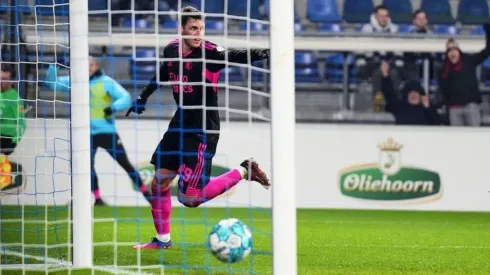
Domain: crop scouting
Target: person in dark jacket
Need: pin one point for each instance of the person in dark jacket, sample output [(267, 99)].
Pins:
[(459, 84), (413, 106)]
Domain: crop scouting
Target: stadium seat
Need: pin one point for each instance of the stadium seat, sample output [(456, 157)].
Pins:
[(438, 11), (400, 10), (233, 73), (485, 72), (473, 12), (443, 29), (298, 27), (143, 70), (334, 28), (170, 24), (306, 68), (22, 6), (215, 6), (215, 25), (403, 28), (326, 11), (334, 69), (253, 27), (239, 8), (358, 11), (45, 7), (97, 5), (139, 23), (477, 30)]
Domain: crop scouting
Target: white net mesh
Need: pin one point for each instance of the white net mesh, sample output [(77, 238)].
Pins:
[(127, 39)]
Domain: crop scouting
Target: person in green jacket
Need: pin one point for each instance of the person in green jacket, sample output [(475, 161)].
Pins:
[(12, 125)]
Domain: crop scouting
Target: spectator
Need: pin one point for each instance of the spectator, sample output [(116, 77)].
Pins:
[(420, 25), (368, 63), (459, 85), (412, 107)]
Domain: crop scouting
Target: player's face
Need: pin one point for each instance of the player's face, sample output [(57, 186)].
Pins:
[(93, 66), (382, 16), (193, 28), (420, 21), (5, 82), (414, 98), (453, 55)]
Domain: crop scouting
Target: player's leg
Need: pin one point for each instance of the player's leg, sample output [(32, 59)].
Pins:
[(166, 164), (115, 148), (96, 141), (196, 188)]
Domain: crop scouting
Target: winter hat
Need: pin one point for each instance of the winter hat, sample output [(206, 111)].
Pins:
[(451, 43), (413, 85)]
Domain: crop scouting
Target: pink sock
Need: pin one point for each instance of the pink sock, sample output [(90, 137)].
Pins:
[(96, 194), (143, 189), (161, 204), (219, 185)]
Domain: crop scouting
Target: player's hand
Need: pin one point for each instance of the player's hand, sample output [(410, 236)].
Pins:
[(264, 54), (138, 106), (108, 111)]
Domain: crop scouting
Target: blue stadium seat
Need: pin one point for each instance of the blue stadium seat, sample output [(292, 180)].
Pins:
[(443, 29), (334, 28), (170, 24), (22, 6), (139, 23), (143, 70), (473, 12), (358, 11), (45, 7), (254, 27), (216, 25), (239, 8), (97, 5), (477, 30), (298, 27), (403, 28), (400, 10), (214, 6), (234, 74), (438, 11), (334, 69), (323, 11), (306, 67)]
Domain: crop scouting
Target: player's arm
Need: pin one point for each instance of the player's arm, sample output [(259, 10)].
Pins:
[(55, 82), (120, 97), (240, 56), (138, 105)]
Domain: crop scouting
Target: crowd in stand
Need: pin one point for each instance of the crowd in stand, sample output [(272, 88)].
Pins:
[(396, 77)]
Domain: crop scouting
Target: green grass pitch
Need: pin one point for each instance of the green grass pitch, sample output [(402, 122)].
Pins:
[(329, 241)]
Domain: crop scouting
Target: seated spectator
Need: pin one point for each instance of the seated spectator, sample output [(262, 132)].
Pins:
[(412, 107), (459, 84), (413, 70), (368, 63)]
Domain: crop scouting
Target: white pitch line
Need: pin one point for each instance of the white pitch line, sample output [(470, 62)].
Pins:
[(415, 246), (56, 263)]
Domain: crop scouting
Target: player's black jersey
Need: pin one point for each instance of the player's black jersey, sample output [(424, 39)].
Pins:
[(187, 82)]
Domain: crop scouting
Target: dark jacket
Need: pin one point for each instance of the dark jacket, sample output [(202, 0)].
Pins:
[(405, 113), (458, 82)]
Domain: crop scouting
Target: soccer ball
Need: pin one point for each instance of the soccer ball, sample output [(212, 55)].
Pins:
[(230, 241)]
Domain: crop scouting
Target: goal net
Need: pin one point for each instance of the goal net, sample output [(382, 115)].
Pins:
[(48, 219)]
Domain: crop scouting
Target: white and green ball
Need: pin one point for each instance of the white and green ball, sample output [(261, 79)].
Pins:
[(230, 240)]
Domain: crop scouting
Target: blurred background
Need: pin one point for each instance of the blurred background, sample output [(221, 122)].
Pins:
[(331, 86)]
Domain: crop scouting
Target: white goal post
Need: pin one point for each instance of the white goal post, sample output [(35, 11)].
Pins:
[(80, 136)]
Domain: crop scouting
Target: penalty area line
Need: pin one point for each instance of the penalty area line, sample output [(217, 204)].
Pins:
[(56, 264)]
